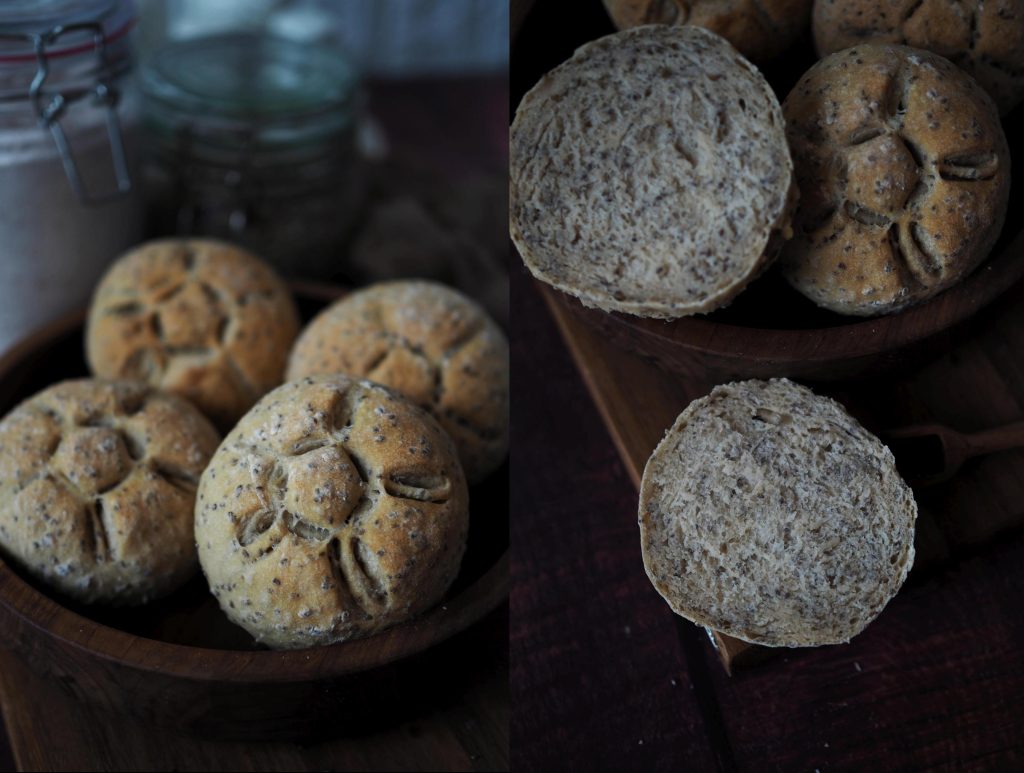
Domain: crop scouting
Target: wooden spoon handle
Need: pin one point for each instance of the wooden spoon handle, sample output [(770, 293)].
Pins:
[(995, 439)]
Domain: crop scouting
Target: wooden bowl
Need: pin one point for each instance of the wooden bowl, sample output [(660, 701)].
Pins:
[(178, 662), (770, 329), (729, 344)]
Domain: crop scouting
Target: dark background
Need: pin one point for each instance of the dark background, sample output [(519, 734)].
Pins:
[(605, 677)]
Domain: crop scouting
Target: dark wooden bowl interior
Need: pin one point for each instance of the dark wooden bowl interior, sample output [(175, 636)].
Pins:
[(179, 661), (770, 329)]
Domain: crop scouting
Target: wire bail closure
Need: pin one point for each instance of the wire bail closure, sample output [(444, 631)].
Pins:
[(49, 109)]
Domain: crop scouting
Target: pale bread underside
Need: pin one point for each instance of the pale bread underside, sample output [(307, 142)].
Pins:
[(649, 172), (770, 514)]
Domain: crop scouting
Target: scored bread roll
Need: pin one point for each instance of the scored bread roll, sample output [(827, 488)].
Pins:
[(985, 39), (650, 173), (760, 29), (428, 342), (334, 509), (97, 487), (769, 514), (904, 177), (200, 318)]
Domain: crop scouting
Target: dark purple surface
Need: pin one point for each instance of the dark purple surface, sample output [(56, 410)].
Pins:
[(605, 677)]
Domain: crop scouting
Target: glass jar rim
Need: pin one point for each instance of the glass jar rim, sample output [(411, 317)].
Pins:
[(76, 21), (248, 78)]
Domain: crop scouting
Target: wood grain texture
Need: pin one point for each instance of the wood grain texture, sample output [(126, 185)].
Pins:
[(935, 683)]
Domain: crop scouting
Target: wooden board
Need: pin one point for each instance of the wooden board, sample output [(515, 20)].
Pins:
[(638, 401)]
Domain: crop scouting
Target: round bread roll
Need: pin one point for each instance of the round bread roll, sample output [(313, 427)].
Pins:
[(199, 318), (430, 343), (650, 173), (986, 39), (333, 510), (97, 489), (904, 176), (769, 514), (759, 29)]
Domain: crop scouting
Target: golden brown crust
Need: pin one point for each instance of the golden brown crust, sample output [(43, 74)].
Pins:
[(985, 39), (197, 317), (904, 175), (430, 343), (97, 487), (759, 29), (334, 509)]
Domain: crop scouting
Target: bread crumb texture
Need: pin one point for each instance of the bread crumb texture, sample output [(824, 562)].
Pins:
[(985, 39), (432, 344), (769, 514), (759, 29), (97, 487), (199, 318), (904, 176), (333, 510), (650, 173)]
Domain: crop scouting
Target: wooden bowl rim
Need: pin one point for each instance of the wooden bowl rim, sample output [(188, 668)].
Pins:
[(861, 338), (51, 618)]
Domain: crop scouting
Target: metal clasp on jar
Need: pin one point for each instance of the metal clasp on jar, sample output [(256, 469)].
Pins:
[(50, 108)]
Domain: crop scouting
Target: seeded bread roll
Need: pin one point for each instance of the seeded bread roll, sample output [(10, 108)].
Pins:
[(985, 39), (769, 514), (333, 510), (759, 29), (199, 318), (904, 177), (97, 488), (430, 343), (650, 173)]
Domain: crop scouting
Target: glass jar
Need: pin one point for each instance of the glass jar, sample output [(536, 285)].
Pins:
[(252, 139), (67, 122)]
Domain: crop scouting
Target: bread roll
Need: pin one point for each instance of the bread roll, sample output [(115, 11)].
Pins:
[(432, 344), (650, 173), (97, 487), (199, 318), (985, 39), (769, 514), (333, 510), (759, 29), (904, 177)]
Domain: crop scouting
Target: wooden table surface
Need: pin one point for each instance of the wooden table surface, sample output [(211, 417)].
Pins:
[(606, 677), (458, 127)]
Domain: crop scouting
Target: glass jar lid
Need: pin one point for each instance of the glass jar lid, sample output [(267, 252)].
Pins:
[(21, 20), (58, 53), (272, 91)]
